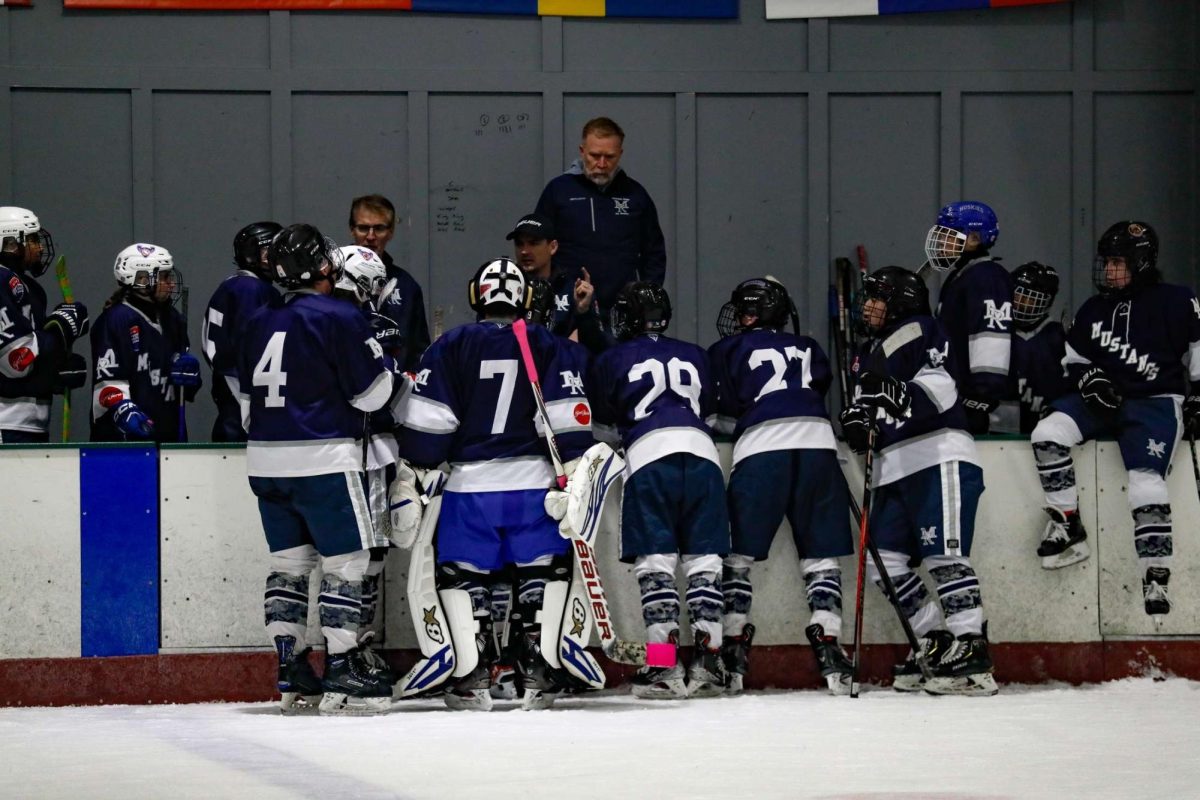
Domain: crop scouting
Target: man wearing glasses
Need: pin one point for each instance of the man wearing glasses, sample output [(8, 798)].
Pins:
[(372, 225)]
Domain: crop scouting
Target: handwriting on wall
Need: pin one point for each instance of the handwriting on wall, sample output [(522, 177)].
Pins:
[(502, 124), (448, 216)]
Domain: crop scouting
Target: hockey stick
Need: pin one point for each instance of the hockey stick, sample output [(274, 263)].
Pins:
[(183, 304), (1195, 463), (619, 650), (68, 296), (837, 303), (868, 464)]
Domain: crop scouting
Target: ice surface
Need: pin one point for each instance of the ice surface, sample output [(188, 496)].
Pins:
[(1128, 739)]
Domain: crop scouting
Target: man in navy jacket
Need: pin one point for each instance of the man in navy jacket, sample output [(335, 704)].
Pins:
[(605, 220)]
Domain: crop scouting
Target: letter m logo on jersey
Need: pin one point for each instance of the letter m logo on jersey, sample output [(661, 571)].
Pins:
[(997, 319)]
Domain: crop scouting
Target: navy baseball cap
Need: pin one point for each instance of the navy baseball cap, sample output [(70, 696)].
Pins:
[(535, 226)]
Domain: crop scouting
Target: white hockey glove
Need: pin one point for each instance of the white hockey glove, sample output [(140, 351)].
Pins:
[(555, 501), (429, 481), (405, 507), (587, 490)]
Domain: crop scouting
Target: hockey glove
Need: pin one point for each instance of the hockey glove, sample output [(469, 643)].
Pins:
[(883, 391), (69, 321), (73, 374), (185, 370), (132, 421), (857, 422), (979, 411), (404, 506), (556, 500), (1191, 416), (1099, 393), (387, 332)]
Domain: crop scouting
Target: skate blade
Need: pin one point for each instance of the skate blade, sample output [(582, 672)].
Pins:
[(503, 691), (538, 700), (476, 700), (908, 683), (1072, 555), (336, 704), (705, 689), (663, 690), (982, 684), (735, 685), (292, 703), (838, 683)]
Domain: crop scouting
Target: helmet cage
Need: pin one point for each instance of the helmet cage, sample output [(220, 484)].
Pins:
[(763, 298), (944, 246), (1030, 306), (641, 307)]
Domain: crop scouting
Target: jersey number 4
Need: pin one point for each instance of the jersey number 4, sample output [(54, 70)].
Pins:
[(267, 371)]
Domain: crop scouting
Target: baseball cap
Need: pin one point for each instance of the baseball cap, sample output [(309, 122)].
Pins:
[(534, 225)]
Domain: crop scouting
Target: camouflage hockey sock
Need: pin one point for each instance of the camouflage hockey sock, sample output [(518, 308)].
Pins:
[(738, 593), (1152, 534), (341, 612), (823, 590), (660, 604), (959, 595), (1056, 471), (285, 605)]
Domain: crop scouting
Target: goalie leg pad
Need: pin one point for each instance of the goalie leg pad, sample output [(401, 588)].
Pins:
[(429, 618)]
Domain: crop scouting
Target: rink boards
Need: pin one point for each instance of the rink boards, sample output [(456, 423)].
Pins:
[(102, 565)]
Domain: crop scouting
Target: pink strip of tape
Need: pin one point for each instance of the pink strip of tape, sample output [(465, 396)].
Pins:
[(661, 654)]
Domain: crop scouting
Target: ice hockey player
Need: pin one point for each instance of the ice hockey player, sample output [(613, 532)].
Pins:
[(309, 369), (472, 407), (1038, 344), (655, 393), (975, 305), (140, 357), (926, 480), (234, 300), (35, 348), (1126, 356), (771, 388), (361, 283)]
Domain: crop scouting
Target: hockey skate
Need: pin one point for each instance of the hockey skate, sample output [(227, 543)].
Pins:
[(661, 683), (966, 668), (1064, 542), (1154, 592), (472, 691), (503, 683), (907, 677), (835, 668), (536, 677), (735, 653), (375, 660), (706, 673), (299, 687), (353, 688)]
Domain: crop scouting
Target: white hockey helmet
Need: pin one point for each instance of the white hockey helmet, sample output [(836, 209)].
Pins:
[(19, 226), (142, 266), (499, 285), (364, 272)]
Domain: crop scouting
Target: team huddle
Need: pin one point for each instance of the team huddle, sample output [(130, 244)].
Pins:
[(489, 453)]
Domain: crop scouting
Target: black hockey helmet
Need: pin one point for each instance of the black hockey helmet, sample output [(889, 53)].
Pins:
[(498, 287), (763, 298), (640, 307), (299, 255), (541, 302), (1035, 285), (902, 290), (1137, 243), (251, 243)]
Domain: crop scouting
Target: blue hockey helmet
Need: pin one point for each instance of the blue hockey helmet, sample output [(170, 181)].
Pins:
[(947, 239)]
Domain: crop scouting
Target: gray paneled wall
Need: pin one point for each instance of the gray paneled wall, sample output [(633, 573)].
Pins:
[(769, 147)]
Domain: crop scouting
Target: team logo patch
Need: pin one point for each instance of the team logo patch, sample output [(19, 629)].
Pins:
[(135, 336), (20, 359), (583, 413), (578, 617), (110, 396), (145, 249), (16, 287), (1156, 449), (621, 206), (433, 628)]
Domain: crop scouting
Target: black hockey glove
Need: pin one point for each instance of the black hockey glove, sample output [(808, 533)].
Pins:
[(1191, 416), (73, 374), (387, 332), (1099, 393), (883, 391), (69, 320), (978, 411), (857, 422)]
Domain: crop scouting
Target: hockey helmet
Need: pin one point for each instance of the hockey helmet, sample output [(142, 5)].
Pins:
[(1137, 243), (762, 298), (363, 273), (541, 302), (1035, 286), (640, 307), (300, 255), (947, 239), (250, 247), (498, 286), (902, 292), (143, 268), (20, 229)]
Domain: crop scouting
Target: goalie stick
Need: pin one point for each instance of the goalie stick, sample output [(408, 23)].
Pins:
[(616, 649), (68, 296)]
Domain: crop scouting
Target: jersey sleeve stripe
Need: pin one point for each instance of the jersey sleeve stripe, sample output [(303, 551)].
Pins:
[(939, 386), (375, 395), (429, 416), (98, 410), (990, 353)]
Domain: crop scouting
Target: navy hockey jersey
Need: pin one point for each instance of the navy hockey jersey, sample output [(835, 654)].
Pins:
[(406, 305), (236, 298), (975, 308), (309, 370), (1148, 343), (654, 394), (771, 389), (1037, 375), (29, 357), (133, 347), (472, 406), (918, 352)]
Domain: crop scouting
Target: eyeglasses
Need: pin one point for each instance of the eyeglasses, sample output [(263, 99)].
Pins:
[(376, 229)]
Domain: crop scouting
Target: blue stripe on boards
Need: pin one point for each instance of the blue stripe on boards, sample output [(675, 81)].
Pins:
[(118, 498), (908, 6)]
